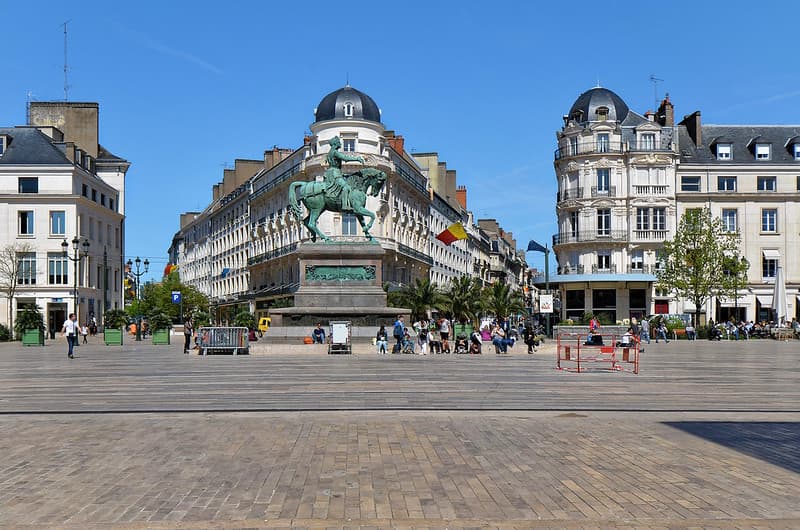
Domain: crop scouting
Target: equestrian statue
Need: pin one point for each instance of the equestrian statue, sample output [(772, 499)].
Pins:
[(337, 192)]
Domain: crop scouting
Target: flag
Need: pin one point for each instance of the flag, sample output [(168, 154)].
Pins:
[(454, 232), (169, 269), (225, 272), (533, 246)]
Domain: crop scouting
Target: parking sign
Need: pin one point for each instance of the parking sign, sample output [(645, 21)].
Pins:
[(176, 297)]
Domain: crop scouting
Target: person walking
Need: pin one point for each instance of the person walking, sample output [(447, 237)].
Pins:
[(399, 333), (188, 329), (644, 335), (381, 341), (422, 336), (661, 332), (444, 334), (70, 329), (85, 333)]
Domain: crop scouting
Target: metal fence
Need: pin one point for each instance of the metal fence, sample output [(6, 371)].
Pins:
[(223, 340)]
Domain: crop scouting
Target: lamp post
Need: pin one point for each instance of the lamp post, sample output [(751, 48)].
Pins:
[(534, 246), (77, 256), (138, 273)]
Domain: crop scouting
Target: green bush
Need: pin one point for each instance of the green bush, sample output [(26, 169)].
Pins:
[(5, 333), (29, 319), (115, 318), (245, 319), (200, 319), (159, 320)]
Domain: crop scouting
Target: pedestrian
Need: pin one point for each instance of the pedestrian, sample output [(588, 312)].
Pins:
[(318, 334), (529, 337), (444, 334), (381, 340), (645, 332), (661, 332), (398, 332), (70, 329), (188, 329), (85, 333), (422, 337)]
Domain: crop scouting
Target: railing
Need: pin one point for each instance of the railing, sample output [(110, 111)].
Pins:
[(221, 339), (641, 268), (588, 148), (610, 269), (408, 251), (650, 189), (610, 191), (282, 177), (272, 254), (571, 269), (597, 235), (648, 146), (650, 235), (569, 193)]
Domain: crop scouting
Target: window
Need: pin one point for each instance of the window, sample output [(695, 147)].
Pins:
[(573, 145), (26, 268), (729, 220), (726, 183), (603, 261), (25, 223), (85, 191), (349, 225), (659, 218), (94, 195), (796, 151), (604, 222), (603, 176), (602, 143), (57, 268), (724, 151), (29, 185), (648, 142), (690, 183), (798, 183), (102, 199), (602, 113), (3, 141), (637, 260), (767, 184), (110, 204), (91, 228), (573, 224), (769, 220), (349, 144), (58, 225), (762, 151), (768, 267), (348, 110), (642, 219)]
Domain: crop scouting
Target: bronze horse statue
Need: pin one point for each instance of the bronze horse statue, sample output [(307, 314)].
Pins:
[(314, 195)]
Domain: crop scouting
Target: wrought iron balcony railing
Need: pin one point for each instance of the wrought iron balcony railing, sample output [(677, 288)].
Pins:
[(596, 235)]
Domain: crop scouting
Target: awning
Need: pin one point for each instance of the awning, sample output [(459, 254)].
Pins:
[(765, 300), (771, 253), (730, 302)]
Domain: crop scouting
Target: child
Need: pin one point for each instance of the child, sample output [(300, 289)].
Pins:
[(84, 332)]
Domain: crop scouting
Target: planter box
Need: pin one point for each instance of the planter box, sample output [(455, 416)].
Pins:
[(161, 336), (33, 337), (113, 337)]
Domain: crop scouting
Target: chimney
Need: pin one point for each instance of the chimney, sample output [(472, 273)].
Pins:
[(693, 127), (396, 143), (78, 121), (650, 115), (307, 140), (666, 113), (461, 196)]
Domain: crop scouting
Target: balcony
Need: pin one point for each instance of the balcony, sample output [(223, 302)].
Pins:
[(641, 268), (609, 191), (588, 148), (650, 190), (569, 193), (588, 237), (571, 269), (647, 146), (650, 235)]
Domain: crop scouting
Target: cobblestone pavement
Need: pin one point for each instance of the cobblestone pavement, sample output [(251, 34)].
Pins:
[(703, 438)]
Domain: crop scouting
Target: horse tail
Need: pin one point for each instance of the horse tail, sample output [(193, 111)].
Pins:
[(293, 205)]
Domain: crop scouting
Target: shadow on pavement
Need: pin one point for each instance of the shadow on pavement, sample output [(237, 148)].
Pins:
[(774, 442)]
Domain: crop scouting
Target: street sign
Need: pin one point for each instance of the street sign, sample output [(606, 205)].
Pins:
[(176, 297), (546, 303)]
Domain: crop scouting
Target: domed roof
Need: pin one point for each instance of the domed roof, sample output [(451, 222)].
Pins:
[(347, 103), (587, 104)]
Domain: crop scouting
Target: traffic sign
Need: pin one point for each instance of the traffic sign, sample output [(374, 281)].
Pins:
[(176, 297)]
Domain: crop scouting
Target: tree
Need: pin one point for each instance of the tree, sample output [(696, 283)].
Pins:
[(10, 263), (157, 298), (421, 296), (463, 299), (694, 262), (500, 301)]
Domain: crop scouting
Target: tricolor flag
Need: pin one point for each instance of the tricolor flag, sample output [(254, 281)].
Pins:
[(454, 232), (169, 269)]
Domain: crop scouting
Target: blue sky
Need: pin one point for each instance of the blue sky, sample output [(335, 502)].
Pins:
[(185, 87)]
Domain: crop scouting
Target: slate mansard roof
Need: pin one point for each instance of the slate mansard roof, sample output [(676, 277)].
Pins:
[(30, 146), (742, 139), (332, 106)]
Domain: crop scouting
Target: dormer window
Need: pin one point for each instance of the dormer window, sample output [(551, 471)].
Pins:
[(4, 144), (796, 151), (348, 110), (602, 113), (763, 151), (724, 151)]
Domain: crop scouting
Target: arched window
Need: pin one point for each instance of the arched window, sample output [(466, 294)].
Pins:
[(348, 110)]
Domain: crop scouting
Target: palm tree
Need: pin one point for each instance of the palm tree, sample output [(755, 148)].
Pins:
[(501, 301), (463, 299), (421, 296)]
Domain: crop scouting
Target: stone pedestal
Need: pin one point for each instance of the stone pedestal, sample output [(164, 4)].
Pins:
[(339, 281)]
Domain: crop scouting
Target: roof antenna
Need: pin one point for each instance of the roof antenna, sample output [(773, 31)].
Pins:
[(598, 82), (66, 69), (347, 79), (655, 81)]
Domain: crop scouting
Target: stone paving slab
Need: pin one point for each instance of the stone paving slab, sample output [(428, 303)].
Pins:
[(388, 470)]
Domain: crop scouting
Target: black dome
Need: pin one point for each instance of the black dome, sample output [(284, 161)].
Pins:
[(585, 107), (332, 106)]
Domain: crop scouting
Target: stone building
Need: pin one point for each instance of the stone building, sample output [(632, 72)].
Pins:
[(57, 182)]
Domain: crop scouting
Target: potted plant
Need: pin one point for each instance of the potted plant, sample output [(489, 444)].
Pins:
[(677, 327), (30, 327), (161, 325), (113, 325)]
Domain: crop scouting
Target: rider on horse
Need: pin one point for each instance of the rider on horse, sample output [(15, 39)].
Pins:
[(335, 181)]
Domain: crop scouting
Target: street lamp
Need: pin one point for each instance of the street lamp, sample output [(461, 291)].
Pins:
[(77, 256), (138, 274), (533, 246)]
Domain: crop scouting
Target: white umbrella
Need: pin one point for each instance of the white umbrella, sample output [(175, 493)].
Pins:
[(779, 302)]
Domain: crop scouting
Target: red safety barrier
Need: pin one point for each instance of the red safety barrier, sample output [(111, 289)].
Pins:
[(574, 351)]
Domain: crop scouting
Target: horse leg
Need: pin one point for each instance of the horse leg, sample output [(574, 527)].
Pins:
[(308, 226), (361, 213), (313, 216)]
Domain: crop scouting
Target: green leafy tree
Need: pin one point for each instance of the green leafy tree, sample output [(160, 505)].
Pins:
[(694, 262), (500, 301), (10, 269), (157, 298), (463, 299), (420, 297), (115, 319), (245, 319)]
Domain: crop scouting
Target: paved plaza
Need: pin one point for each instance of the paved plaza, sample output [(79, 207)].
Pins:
[(707, 436)]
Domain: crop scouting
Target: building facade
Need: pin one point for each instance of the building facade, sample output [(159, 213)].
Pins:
[(57, 183)]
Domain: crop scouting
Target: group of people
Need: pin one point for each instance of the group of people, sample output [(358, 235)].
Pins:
[(431, 336)]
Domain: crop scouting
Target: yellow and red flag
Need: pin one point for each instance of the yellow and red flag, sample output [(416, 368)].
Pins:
[(170, 268), (454, 232)]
